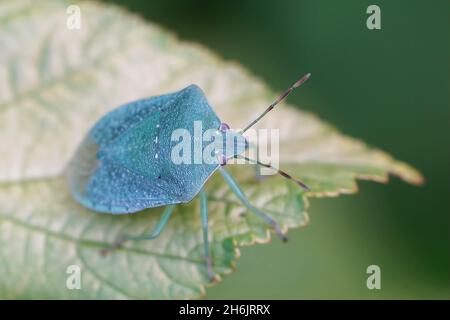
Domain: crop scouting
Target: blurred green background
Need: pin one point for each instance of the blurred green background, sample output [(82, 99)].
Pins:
[(389, 87)]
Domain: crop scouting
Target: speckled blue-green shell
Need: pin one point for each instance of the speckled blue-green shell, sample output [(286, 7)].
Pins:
[(124, 163)]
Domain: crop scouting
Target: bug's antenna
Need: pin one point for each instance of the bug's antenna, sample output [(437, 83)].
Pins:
[(280, 172), (297, 84)]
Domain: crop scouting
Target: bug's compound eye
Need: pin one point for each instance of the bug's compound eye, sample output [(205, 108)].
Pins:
[(224, 127)]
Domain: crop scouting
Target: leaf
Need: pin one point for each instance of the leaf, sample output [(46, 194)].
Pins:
[(55, 83)]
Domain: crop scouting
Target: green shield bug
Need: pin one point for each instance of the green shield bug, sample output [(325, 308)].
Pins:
[(125, 163)]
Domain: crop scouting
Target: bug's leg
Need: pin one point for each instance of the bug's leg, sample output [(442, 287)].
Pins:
[(155, 233), (158, 228), (235, 188), (204, 218)]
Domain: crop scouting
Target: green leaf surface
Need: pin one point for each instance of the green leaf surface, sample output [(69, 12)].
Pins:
[(55, 83)]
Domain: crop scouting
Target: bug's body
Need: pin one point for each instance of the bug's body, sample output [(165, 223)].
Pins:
[(126, 162)]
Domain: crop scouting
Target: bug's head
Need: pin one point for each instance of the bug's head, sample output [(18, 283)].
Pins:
[(232, 143)]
